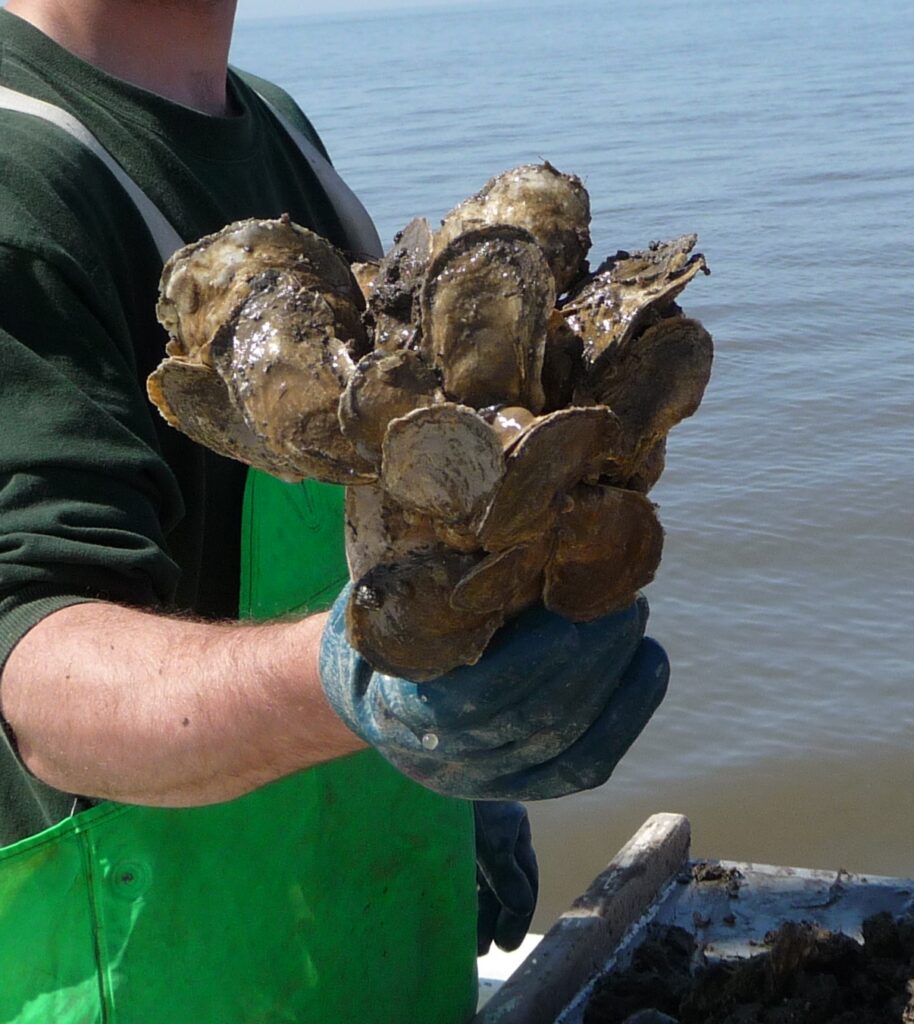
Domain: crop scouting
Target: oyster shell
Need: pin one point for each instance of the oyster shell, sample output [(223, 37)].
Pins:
[(205, 283), (620, 298), (395, 288), (444, 461), (484, 307), (379, 531), (401, 618), (563, 363), (550, 458), (382, 387), (195, 399), (608, 546), (507, 581), (502, 446), (553, 207), (287, 369), (646, 468), (274, 310), (655, 382)]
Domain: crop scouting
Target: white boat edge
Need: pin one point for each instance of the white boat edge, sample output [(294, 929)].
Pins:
[(497, 966)]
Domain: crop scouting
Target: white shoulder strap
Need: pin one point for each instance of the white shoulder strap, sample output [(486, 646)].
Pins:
[(361, 234), (167, 240)]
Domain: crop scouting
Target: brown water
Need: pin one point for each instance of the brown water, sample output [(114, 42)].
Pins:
[(784, 135), (852, 812)]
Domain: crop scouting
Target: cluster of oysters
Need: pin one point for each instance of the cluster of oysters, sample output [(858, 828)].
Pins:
[(497, 411)]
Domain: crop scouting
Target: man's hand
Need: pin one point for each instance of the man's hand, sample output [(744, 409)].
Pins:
[(507, 875), (550, 708)]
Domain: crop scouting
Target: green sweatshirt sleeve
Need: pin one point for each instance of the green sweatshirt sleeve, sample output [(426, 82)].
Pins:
[(85, 498)]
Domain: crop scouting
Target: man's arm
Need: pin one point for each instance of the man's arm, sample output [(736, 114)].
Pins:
[(121, 704)]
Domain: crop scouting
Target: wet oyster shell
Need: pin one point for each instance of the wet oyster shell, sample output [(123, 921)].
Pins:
[(563, 363), (365, 275), (608, 546), (383, 387), (443, 460), (507, 581), (286, 369), (553, 207), (204, 284), (646, 469), (275, 311), (655, 382), (484, 307), (400, 616), (626, 291), (379, 531), (195, 399), (550, 458), (393, 303)]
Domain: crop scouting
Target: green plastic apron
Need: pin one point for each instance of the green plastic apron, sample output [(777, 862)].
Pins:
[(342, 895)]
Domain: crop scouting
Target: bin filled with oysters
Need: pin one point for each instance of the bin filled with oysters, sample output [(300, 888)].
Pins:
[(497, 411)]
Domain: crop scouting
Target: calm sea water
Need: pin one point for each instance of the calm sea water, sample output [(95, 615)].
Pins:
[(784, 135)]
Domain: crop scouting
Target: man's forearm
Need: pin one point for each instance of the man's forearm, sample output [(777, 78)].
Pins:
[(126, 705)]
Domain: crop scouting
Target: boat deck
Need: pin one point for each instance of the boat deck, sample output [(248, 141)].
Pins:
[(728, 906)]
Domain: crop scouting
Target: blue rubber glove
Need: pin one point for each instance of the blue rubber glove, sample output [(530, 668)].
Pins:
[(507, 877), (549, 709)]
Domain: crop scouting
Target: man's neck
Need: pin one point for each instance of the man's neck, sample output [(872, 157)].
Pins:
[(175, 48)]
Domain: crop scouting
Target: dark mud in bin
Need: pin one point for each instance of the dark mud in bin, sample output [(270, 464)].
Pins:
[(803, 974)]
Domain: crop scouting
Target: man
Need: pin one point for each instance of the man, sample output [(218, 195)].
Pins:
[(113, 527)]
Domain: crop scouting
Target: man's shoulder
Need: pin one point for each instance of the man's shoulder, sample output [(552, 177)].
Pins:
[(277, 97), (54, 192)]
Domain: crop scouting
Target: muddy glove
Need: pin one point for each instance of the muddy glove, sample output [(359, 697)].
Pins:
[(549, 709), (507, 878)]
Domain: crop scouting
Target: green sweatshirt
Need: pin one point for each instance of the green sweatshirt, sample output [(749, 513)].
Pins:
[(99, 497)]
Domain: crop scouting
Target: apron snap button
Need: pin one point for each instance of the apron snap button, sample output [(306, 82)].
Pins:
[(130, 879)]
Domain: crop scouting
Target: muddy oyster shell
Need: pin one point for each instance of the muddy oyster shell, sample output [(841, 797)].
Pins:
[(401, 617), (394, 290), (382, 387), (626, 291), (608, 544), (444, 461), (268, 314), (484, 305), (553, 455), (497, 412), (553, 207)]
